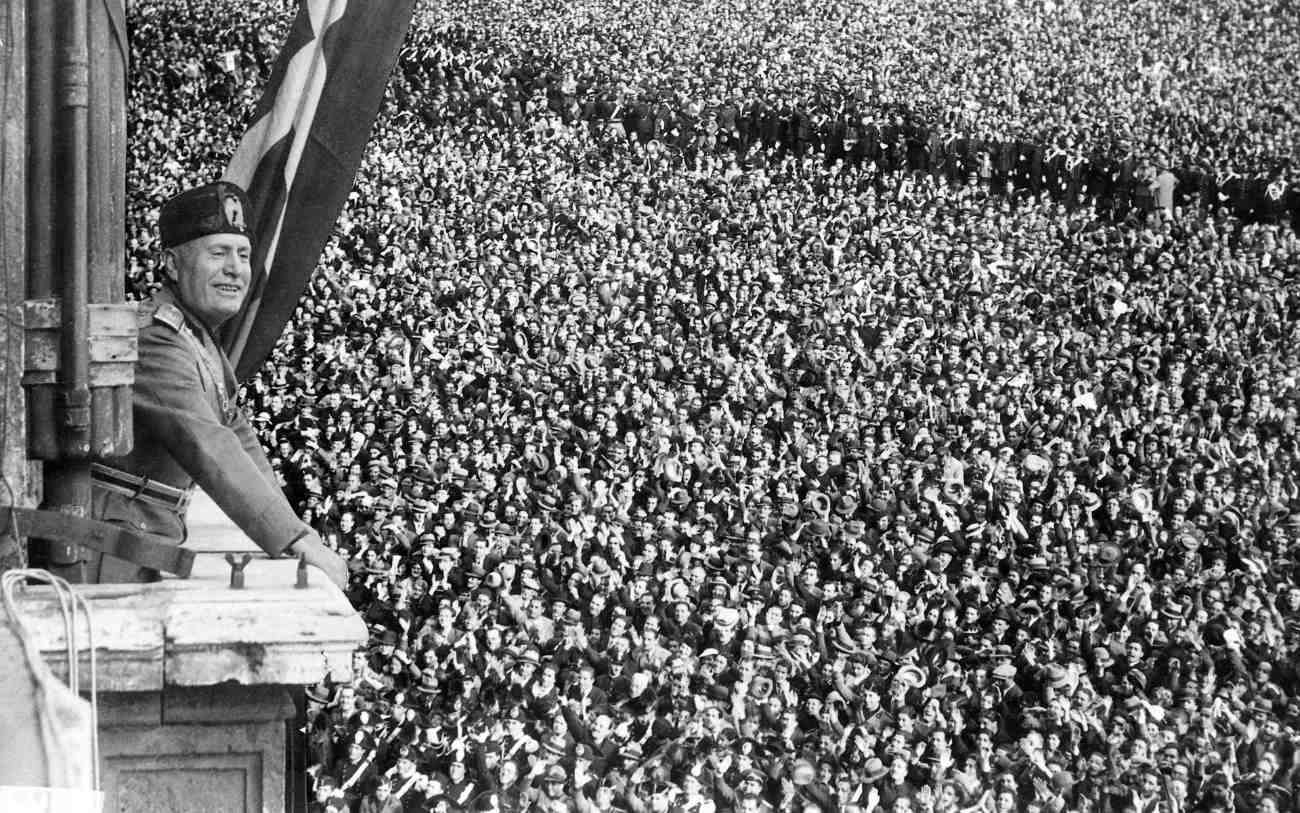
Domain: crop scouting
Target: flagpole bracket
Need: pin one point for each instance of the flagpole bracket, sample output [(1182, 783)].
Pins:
[(113, 339)]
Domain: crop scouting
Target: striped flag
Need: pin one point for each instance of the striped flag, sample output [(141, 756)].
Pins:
[(298, 159)]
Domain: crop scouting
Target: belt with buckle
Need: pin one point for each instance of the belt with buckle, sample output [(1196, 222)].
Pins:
[(140, 488)]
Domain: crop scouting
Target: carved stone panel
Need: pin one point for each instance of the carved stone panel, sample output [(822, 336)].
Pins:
[(227, 783), (218, 768)]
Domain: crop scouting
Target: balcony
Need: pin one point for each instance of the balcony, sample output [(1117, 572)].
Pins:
[(196, 679)]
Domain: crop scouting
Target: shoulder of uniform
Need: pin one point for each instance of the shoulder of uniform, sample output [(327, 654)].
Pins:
[(164, 312)]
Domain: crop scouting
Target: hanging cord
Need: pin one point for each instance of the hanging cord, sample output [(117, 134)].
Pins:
[(68, 603), (11, 579)]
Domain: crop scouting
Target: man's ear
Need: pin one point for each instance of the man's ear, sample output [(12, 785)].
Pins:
[(171, 264)]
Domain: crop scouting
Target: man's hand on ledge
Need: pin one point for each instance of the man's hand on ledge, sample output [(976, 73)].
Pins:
[(317, 555)]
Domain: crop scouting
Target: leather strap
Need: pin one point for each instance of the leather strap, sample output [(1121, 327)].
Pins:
[(352, 780), (410, 782), (145, 550), (139, 488)]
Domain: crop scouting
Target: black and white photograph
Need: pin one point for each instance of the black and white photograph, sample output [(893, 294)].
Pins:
[(714, 406)]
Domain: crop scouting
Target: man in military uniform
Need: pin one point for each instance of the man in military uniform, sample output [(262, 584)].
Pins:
[(188, 428), (404, 777), (357, 773)]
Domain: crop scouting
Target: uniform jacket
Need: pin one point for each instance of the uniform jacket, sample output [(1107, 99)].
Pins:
[(189, 430)]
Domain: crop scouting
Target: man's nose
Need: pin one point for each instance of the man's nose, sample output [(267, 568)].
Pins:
[(234, 264)]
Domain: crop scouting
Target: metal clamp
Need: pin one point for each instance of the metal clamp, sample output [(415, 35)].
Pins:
[(237, 569)]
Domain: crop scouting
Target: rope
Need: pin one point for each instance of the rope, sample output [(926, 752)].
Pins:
[(68, 602)]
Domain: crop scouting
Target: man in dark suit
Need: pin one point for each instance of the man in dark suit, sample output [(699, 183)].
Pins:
[(585, 692), (868, 147), (836, 132)]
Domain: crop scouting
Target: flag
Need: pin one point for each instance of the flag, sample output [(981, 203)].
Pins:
[(299, 157)]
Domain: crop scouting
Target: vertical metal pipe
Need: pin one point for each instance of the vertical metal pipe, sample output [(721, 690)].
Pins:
[(42, 45), (41, 48), (67, 479), (74, 257)]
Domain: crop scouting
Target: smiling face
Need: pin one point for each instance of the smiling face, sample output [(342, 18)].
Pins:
[(212, 274)]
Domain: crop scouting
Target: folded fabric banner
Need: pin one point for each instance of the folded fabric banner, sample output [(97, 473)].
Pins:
[(298, 159)]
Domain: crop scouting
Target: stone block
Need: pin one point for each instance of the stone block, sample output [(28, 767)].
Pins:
[(227, 703), (209, 768)]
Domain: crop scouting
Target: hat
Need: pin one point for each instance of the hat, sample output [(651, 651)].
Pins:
[(555, 774), (910, 676), (1056, 676), (1036, 464), (1109, 553), (363, 740), (215, 208), (802, 772), (726, 618), (874, 770), (428, 681), (818, 501), (1005, 671), (555, 745), (407, 753)]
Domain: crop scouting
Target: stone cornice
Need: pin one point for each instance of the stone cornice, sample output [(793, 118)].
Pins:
[(200, 632)]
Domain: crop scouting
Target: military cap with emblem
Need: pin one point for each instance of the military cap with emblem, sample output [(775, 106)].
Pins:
[(216, 208)]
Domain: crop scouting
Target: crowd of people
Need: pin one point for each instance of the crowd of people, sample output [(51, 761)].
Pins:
[(698, 467), (1012, 96)]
